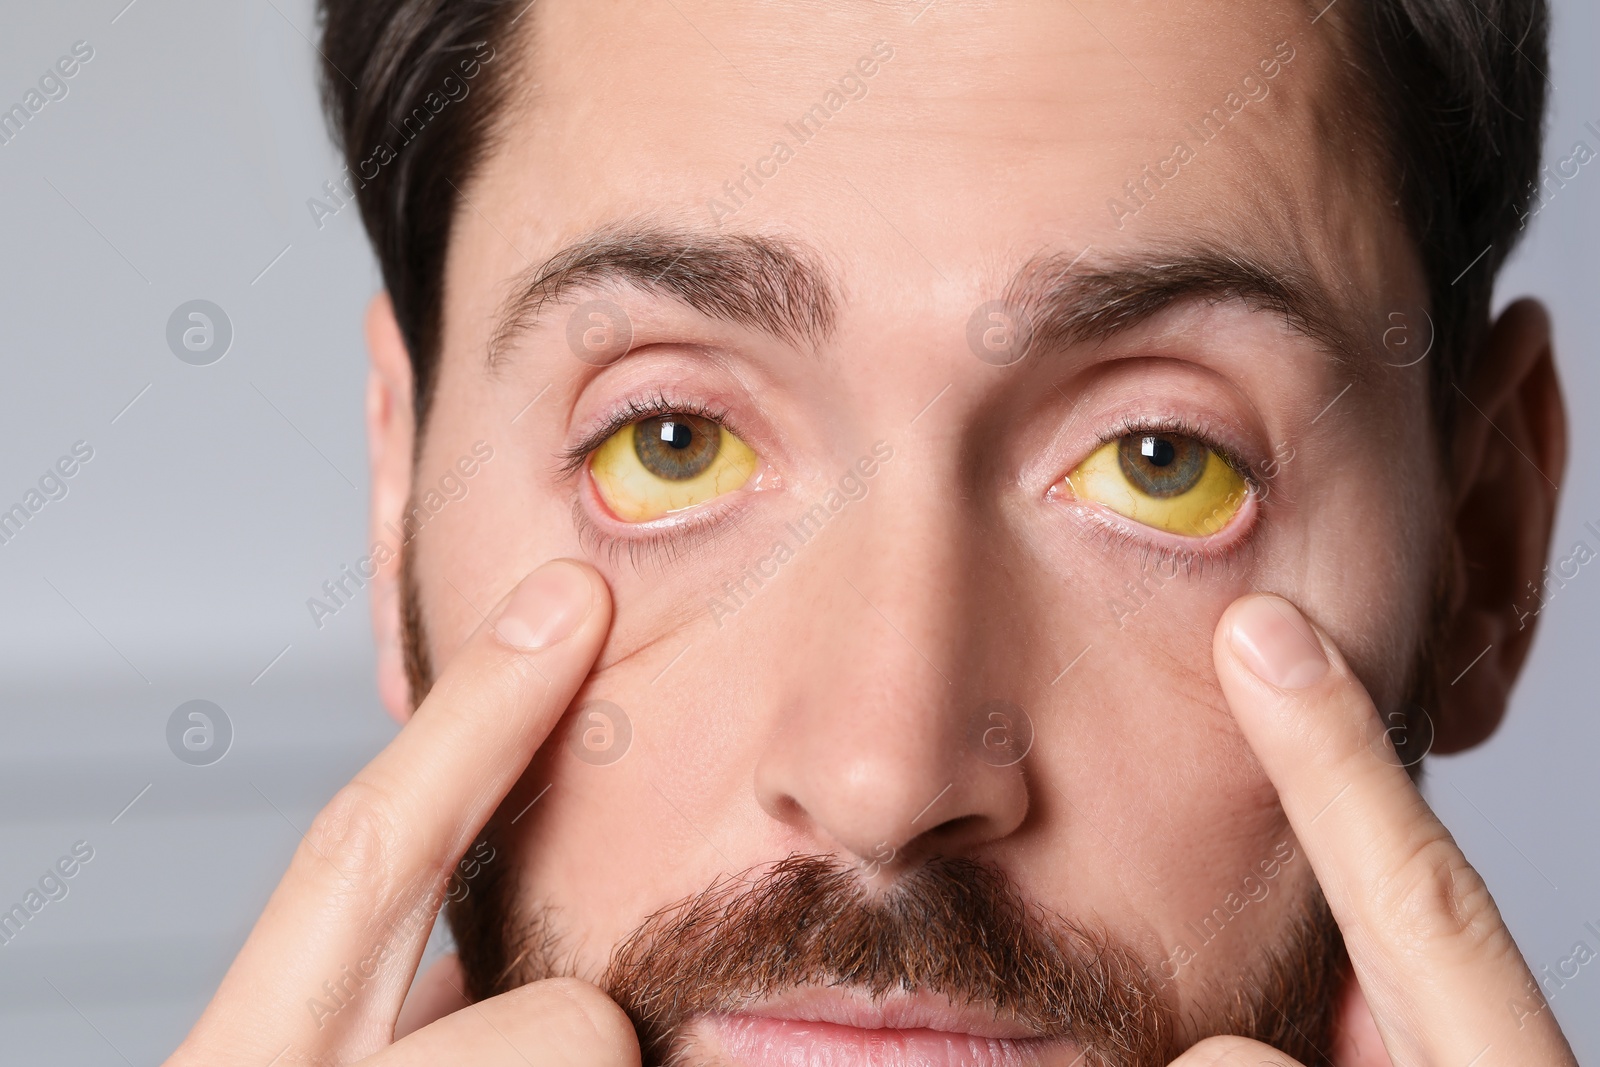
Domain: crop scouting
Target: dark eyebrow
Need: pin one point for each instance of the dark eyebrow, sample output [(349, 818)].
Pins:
[(1063, 302), (766, 283)]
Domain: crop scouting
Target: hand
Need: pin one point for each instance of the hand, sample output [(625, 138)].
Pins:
[(1438, 967), (355, 909)]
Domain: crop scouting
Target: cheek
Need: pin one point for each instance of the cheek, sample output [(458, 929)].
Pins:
[(1150, 806), (1145, 742), (676, 803), (506, 521), (1362, 559), (583, 846), (467, 560), (1150, 810)]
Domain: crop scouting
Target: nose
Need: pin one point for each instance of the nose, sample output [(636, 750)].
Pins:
[(896, 734)]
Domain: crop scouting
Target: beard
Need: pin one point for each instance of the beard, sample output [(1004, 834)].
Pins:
[(953, 927)]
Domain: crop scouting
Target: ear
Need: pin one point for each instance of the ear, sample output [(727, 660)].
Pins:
[(391, 433), (1510, 451)]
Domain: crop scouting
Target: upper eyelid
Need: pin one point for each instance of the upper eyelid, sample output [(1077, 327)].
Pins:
[(573, 457), (1183, 427)]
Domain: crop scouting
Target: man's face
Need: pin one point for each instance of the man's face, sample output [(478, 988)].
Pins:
[(996, 237)]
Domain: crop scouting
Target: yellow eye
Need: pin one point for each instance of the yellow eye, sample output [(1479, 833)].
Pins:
[(1166, 481), (666, 463)]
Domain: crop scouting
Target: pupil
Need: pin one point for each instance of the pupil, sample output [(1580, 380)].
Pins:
[(1158, 450), (677, 434)]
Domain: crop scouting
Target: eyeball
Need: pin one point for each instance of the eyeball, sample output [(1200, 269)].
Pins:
[(1169, 482), (667, 463)]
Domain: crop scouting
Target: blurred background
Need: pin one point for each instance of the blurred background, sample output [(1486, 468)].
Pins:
[(226, 482)]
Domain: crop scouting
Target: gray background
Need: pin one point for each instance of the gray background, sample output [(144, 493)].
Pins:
[(178, 566)]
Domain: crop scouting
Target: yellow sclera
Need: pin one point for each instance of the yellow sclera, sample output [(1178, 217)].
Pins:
[(634, 493), (1202, 510)]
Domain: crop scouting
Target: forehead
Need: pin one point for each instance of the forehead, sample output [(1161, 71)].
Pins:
[(950, 141)]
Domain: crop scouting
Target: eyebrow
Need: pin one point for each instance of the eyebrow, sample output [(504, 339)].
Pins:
[(1062, 303), (778, 286), (766, 283)]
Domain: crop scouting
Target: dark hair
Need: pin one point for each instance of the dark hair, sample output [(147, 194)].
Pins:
[(1454, 88), (381, 60), (1457, 90)]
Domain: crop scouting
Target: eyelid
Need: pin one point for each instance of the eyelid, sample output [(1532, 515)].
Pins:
[(658, 541), (1222, 547), (653, 539), (1179, 426), (634, 410)]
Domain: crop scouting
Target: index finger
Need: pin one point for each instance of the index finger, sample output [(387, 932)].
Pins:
[(1439, 968), (346, 927)]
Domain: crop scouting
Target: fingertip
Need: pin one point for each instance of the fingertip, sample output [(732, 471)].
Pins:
[(600, 607), (572, 1021), (1273, 641), (435, 993), (613, 1029), (551, 604), (556, 1022)]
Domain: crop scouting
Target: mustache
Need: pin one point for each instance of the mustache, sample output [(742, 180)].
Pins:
[(953, 927)]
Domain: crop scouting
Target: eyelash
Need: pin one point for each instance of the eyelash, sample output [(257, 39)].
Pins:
[(1180, 427), (1194, 561), (637, 410), (666, 544), (657, 545), (653, 546)]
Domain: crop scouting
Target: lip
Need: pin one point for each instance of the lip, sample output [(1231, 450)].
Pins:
[(836, 1027)]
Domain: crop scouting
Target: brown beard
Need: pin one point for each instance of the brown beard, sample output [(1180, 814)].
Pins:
[(413, 632), (953, 927)]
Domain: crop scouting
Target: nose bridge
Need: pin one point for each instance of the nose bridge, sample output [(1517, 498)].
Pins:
[(905, 567), (874, 748)]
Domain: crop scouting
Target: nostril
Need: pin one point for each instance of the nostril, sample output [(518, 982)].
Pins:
[(867, 782), (787, 810), (945, 838), (959, 827)]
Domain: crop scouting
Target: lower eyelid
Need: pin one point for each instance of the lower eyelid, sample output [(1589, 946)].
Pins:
[(659, 541), (651, 543), (1098, 520)]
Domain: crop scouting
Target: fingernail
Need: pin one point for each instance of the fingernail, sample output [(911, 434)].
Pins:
[(1274, 640), (546, 608)]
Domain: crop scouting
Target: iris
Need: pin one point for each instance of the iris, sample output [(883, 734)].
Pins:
[(676, 447), (1161, 465)]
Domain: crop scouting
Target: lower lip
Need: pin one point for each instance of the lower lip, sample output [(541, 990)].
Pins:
[(756, 1041)]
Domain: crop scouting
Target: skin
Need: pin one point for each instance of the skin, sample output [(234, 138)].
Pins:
[(830, 714)]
